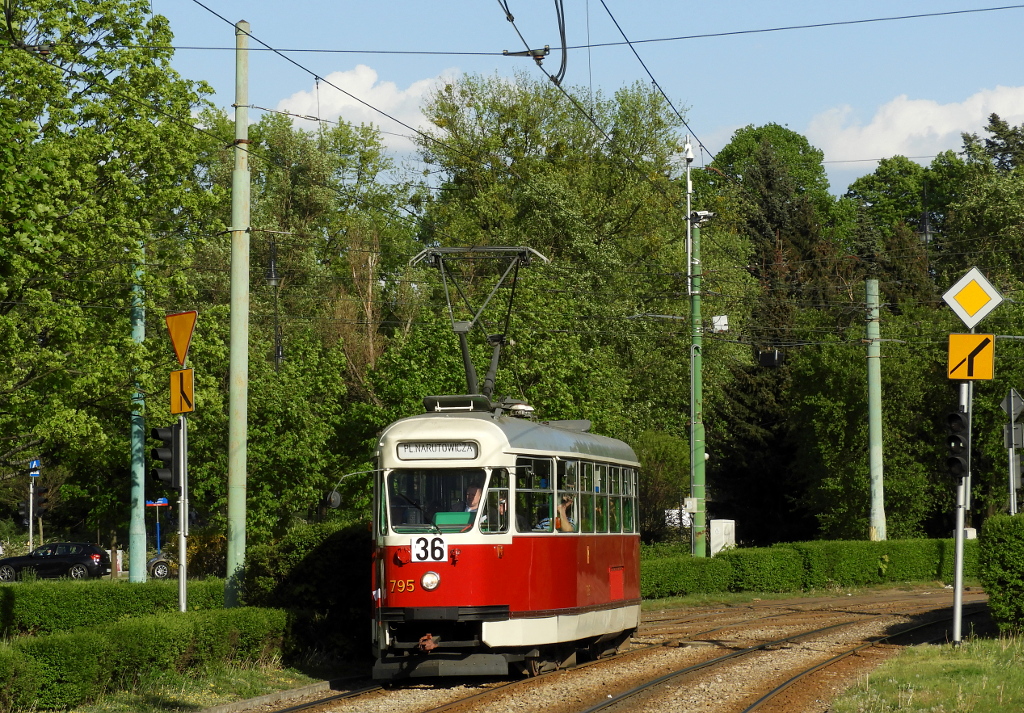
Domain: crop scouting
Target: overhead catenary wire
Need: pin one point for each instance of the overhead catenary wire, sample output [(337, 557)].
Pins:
[(655, 81), (589, 45), (190, 125)]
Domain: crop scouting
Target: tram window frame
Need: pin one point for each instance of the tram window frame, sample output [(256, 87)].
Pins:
[(568, 487), (534, 494), (586, 496), (614, 499), (629, 499), (380, 503), (493, 521), (601, 497)]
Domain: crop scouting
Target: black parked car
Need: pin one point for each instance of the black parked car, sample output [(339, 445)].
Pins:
[(76, 560)]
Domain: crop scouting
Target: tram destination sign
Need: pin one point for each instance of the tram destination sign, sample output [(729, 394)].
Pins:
[(437, 450)]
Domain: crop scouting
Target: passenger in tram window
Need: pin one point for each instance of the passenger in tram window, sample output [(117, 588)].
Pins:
[(473, 497), (565, 522), (495, 517), (521, 523), (540, 508), (564, 519)]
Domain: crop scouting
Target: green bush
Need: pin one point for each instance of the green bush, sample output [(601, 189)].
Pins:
[(321, 573), (678, 576), (51, 606), (791, 567), (765, 569), (1001, 568), (63, 670), (19, 680)]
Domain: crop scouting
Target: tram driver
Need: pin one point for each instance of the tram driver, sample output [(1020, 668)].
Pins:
[(473, 492)]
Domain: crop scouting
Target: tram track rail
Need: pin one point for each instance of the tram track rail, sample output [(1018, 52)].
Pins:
[(568, 690), (811, 670), (619, 702)]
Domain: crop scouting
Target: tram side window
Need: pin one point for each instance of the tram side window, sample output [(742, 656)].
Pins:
[(586, 497), (534, 495), (601, 498), (496, 510), (614, 499), (628, 499), (569, 495)]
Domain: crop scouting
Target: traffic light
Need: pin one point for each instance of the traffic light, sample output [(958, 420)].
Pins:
[(23, 513), (959, 444), (169, 455), (40, 501)]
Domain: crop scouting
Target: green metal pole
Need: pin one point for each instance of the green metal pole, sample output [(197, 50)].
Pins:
[(697, 399), (238, 372), (877, 526), (137, 523)]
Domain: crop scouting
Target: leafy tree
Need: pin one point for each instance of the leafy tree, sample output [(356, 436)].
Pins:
[(664, 481), (598, 192), (323, 214), (99, 167)]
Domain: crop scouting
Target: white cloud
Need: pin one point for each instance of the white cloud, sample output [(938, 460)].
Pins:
[(911, 127), (364, 83)]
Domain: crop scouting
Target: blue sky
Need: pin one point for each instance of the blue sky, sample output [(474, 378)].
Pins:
[(859, 91)]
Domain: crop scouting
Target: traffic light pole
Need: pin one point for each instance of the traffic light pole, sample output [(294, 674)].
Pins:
[(31, 507), (958, 534), (182, 466)]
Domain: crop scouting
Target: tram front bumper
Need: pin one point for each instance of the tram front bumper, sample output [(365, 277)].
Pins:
[(438, 664)]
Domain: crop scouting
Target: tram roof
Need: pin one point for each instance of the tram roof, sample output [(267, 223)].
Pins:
[(527, 435)]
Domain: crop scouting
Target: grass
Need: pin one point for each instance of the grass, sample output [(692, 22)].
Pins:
[(979, 676), (168, 691)]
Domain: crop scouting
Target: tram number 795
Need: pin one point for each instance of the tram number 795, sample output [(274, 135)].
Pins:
[(429, 549)]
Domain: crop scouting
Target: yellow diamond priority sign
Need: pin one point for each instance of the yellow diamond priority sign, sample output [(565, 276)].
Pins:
[(972, 357), (972, 297)]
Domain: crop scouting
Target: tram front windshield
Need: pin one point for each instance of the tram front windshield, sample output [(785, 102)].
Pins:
[(434, 499)]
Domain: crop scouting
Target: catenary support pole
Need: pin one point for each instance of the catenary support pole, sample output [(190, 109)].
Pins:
[(877, 525), (700, 548), (688, 157), (238, 376), (137, 523)]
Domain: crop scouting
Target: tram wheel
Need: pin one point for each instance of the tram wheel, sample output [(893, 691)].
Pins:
[(533, 666)]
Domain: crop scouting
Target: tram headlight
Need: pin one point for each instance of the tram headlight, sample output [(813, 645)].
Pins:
[(430, 580)]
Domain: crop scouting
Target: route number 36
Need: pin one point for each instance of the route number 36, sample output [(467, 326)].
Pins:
[(429, 549)]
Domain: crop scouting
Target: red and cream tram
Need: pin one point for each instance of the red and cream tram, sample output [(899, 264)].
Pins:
[(500, 540)]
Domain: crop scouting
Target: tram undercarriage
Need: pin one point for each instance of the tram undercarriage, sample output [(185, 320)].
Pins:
[(481, 660)]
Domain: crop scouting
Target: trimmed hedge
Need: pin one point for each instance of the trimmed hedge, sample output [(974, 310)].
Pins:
[(63, 670), (803, 566), (765, 569), (51, 606), (1001, 564), (676, 576)]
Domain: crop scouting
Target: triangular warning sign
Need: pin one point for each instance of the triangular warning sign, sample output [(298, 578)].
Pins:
[(180, 326)]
